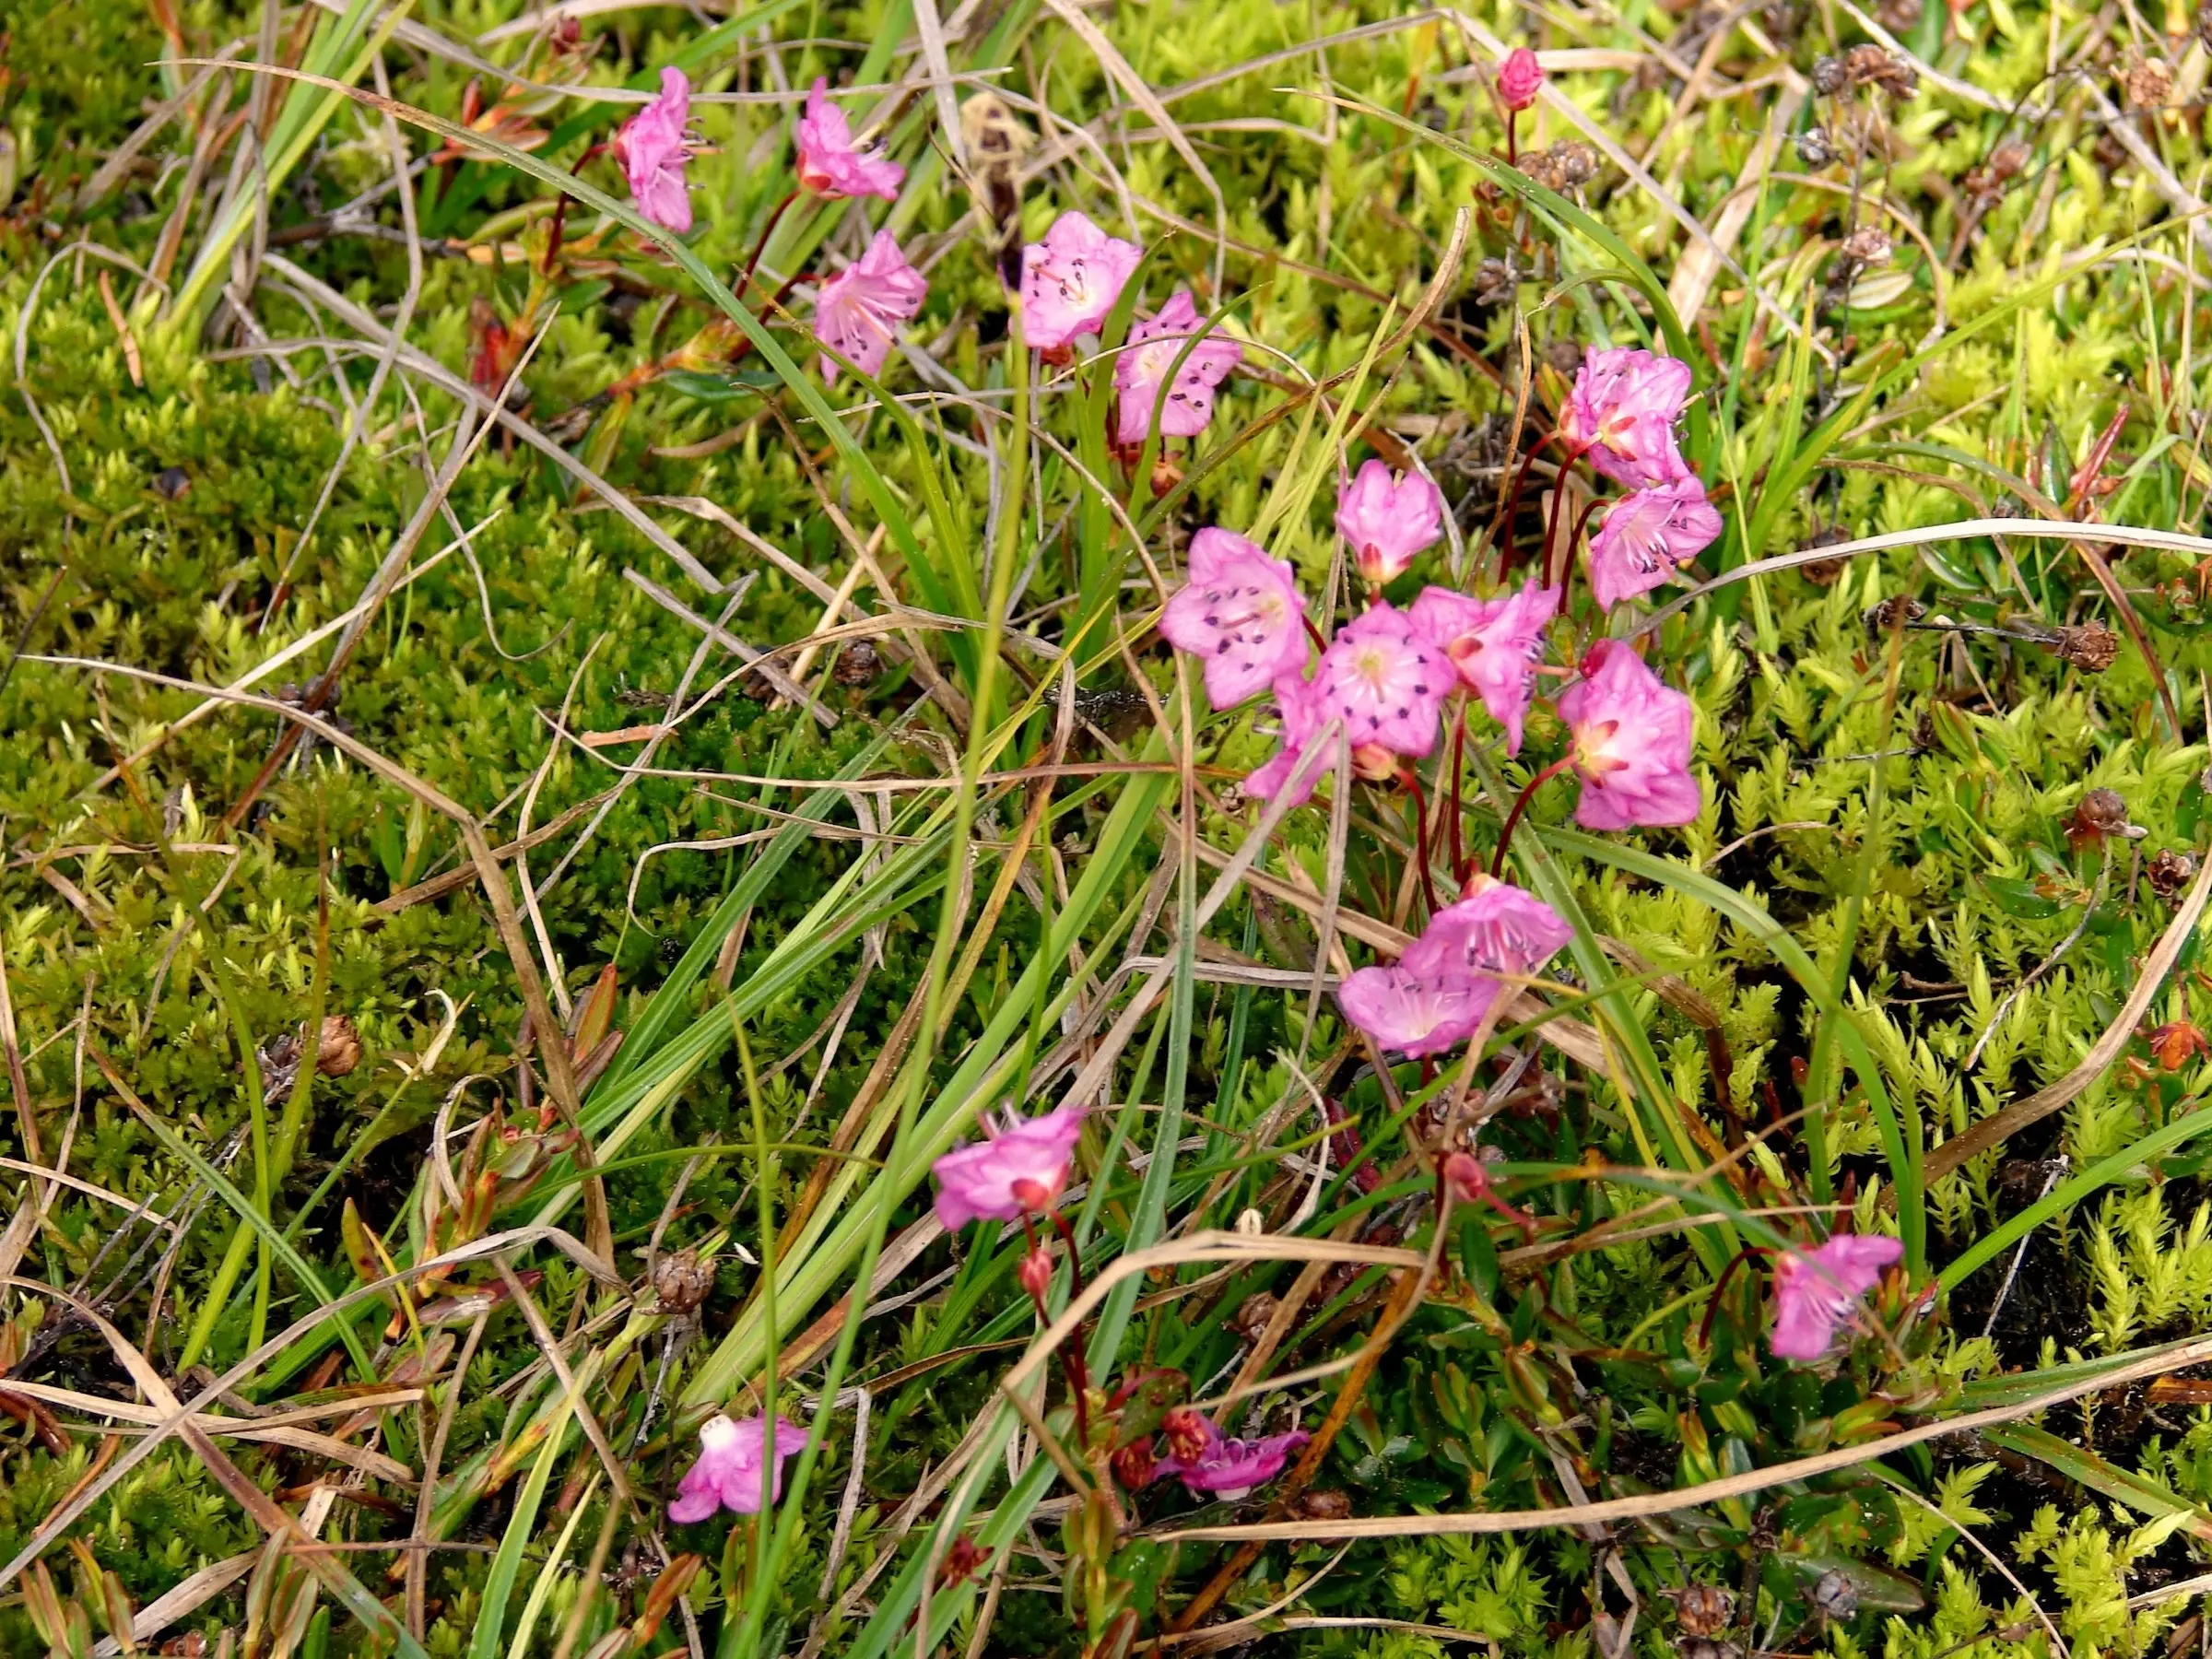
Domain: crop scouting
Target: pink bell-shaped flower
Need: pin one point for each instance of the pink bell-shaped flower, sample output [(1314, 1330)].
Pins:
[(1631, 738), (1622, 411), (1070, 280), (830, 163), (1495, 645), (1647, 536), (653, 152), (1383, 677), (1020, 1170), (1387, 520), (1241, 615), (1148, 363), (859, 309), (1815, 1290), (732, 1459)]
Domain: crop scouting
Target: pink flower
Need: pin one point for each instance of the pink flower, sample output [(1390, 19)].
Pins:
[(654, 153), (1647, 536), (1019, 1169), (1630, 744), (1520, 78), (1496, 928), (859, 309), (728, 1474), (1815, 1290), (1387, 520), (1494, 643), (829, 163), (1301, 717), (1070, 280), (1144, 368), (1199, 1456), (1241, 615), (1417, 1014), (1385, 681), (1622, 412)]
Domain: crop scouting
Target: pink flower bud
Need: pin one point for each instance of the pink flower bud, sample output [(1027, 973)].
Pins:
[(1464, 1178), (1520, 78), (1036, 1273)]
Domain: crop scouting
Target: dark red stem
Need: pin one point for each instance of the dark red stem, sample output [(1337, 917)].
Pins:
[(1412, 780), (1712, 1304), (1513, 819), (1575, 539), (1506, 547), (1072, 1361)]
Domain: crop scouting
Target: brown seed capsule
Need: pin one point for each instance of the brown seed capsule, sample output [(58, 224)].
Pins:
[(680, 1281), (1898, 16), (1323, 1506), (338, 1051), (1564, 355), (2170, 872), (1834, 1595), (1892, 613), (1704, 1647), (858, 664), (2148, 82), (1868, 245), (1702, 1609), (1829, 75), (1495, 281), (2102, 812), (2091, 647), (1878, 67), (1815, 149), (1823, 572), (1253, 1316)]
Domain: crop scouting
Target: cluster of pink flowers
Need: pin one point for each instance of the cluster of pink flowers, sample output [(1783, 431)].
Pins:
[(1621, 415), (1440, 991), (858, 309), (1172, 363)]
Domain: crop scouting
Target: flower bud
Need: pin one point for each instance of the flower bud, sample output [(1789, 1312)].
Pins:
[(1036, 1273), (1520, 78), (1464, 1178)]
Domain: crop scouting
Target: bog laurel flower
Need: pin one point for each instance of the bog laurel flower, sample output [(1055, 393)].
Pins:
[(1070, 280), (1630, 737), (1300, 710), (654, 152), (1815, 1290), (1494, 644), (1241, 615), (1196, 1453), (1387, 520), (1417, 1014), (1622, 413), (1383, 677), (1647, 536), (1495, 928), (1520, 78), (859, 309), (731, 1458), (1019, 1168), (1149, 364), (830, 163)]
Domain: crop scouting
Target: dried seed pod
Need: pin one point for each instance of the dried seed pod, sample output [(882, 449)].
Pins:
[(1898, 16), (859, 664), (2170, 872), (2101, 813), (1323, 1506), (1868, 245), (1702, 1609), (1835, 1597), (1495, 280), (680, 1281), (2148, 82), (1564, 354), (1252, 1316), (339, 1050), (1892, 613), (2091, 647), (1829, 75), (1823, 572), (1815, 149), (1878, 67), (1705, 1647)]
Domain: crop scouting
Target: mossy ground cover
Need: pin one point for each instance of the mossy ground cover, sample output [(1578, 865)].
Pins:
[(639, 996)]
